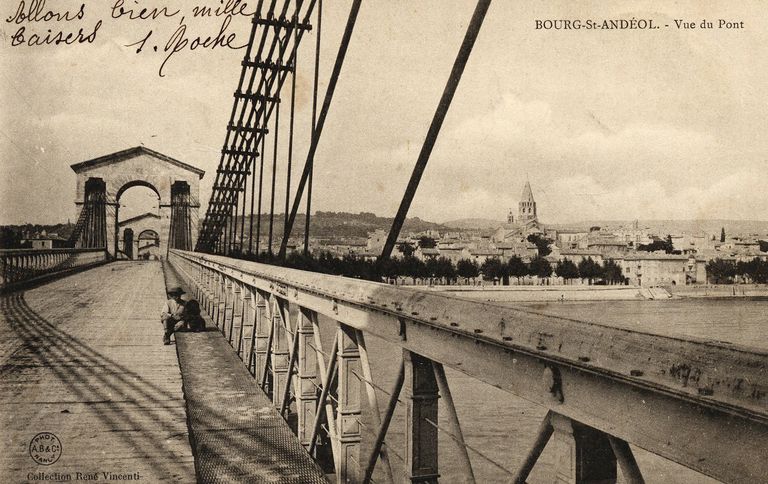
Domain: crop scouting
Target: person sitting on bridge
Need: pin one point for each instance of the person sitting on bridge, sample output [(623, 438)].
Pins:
[(180, 315), (173, 313)]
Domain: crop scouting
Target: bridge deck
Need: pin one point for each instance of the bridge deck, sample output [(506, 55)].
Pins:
[(82, 357)]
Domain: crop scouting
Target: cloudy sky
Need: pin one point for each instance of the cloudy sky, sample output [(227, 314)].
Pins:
[(659, 124)]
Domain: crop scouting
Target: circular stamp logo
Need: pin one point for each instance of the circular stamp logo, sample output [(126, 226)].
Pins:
[(45, 448)]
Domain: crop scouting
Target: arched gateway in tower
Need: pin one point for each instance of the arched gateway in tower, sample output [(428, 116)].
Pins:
[(102, 181)]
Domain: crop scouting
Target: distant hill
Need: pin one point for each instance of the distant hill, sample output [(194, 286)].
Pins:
[(343, 224), (474, 223)]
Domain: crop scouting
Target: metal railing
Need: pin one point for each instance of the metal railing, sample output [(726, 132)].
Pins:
[(701, 404), (23, 266)]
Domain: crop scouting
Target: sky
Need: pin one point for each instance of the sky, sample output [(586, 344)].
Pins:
[(621, 124)]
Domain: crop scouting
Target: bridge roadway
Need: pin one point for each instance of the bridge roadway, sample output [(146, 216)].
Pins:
[(82, 358)]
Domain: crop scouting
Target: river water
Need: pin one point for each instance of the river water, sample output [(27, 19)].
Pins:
[(502, 426)]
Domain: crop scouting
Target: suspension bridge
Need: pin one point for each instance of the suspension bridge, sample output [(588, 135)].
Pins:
[(287, 384)]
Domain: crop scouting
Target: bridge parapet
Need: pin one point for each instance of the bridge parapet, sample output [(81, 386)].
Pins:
[(24, 266), (699, 403)]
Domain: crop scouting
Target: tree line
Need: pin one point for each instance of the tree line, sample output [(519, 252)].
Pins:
[(444, 270), (726, 271), (587, 269)]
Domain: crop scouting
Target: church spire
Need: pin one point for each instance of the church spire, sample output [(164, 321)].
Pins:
[(527, 206), (527, 193)]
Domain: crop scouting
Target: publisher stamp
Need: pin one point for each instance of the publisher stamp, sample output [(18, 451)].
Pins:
[(45, 448)]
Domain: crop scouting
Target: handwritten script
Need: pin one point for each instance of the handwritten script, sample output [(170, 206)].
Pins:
[(37, 25)]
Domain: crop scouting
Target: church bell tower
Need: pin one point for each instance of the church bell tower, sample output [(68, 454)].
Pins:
[(527, 206)]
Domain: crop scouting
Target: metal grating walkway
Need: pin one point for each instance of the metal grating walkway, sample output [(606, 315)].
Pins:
[(237, 435)]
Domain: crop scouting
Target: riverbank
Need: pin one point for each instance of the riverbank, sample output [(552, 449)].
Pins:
[(720, 291), (545, 293), (564, 293)]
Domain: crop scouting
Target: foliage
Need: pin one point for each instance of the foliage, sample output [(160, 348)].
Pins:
[(612, 273), (542, 244), (763, 245), (493, 269), (444, 269), (567, 269), (656, 245), (412, 267), (467, 268), (9, 238), (589, 269), (722, 234), (756, 270), (427, 242), (721, 271), (724, 272), (540, 266), (389, 268), (441, 268), (516, 267), (406, 248)]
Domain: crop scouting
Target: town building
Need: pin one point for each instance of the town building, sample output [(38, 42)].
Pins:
[(661, 269), (571, 238), (138, 237), (48, 243)]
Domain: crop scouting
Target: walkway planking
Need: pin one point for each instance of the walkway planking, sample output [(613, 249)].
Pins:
[(237, 433), (82, 357)]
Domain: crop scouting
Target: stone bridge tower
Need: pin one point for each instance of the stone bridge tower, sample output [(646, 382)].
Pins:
[(101, 182)]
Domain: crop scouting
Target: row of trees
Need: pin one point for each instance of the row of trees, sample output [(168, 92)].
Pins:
[(444, 269), (722, 271), (587, 269)]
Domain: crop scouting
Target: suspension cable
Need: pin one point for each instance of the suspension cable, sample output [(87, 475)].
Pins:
[(321, 121), (308, 215)]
